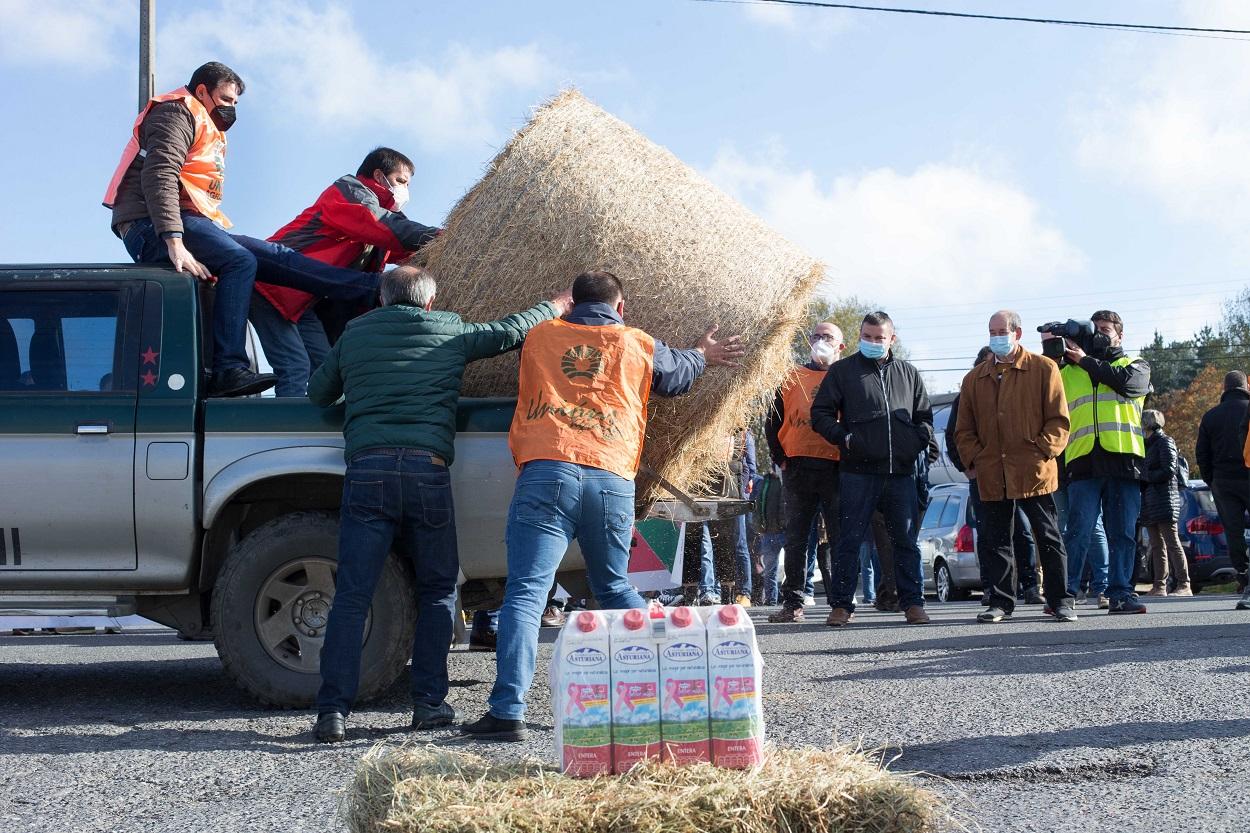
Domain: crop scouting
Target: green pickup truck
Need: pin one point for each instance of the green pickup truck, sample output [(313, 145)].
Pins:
[(123, 490)]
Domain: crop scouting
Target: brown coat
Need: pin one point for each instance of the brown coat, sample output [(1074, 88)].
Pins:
[(1011, 430)]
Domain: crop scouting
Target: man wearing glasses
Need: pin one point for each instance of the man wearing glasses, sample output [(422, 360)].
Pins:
[(809, 464)]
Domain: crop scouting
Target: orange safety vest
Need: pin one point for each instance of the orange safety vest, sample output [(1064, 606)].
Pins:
[(582, 396), (796, 434), (203, 174)]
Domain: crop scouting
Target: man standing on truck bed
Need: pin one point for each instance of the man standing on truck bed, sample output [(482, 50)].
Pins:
[(166, 199), (399, 369), (577, 435), (356, 223)]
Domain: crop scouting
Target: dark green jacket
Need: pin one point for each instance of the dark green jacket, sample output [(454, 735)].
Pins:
[(400, 369)]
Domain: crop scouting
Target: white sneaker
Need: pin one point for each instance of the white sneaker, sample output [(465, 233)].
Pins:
[(706, 599), (1244, 602), (993, 615), (671, 598), (809, 600)]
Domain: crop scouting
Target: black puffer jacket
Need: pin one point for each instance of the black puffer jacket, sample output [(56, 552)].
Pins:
[(1160, 499), (882, 407)]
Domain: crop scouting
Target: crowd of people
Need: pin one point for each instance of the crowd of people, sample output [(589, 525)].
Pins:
[(1069, 448)]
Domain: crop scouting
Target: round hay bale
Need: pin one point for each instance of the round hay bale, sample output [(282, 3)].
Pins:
[(578, 189)]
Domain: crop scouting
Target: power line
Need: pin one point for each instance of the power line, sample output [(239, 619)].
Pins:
[(1094, 24)]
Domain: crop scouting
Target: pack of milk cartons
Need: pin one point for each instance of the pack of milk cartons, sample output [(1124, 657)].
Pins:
[(681, 684)]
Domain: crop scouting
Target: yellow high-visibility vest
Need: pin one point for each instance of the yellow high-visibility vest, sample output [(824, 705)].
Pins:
[(1099, 414)]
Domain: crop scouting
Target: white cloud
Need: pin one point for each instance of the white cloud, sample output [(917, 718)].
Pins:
[(943, 231), (816, 25), (1172, 118), (314, 62), (74, 33)]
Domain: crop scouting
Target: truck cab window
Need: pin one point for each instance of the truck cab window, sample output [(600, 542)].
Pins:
[(58, 341)]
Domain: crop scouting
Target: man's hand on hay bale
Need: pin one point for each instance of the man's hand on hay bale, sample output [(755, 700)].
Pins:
[(563, 303), (724, 353)]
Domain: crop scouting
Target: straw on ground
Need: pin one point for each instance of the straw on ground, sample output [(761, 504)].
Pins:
[(406, 789)]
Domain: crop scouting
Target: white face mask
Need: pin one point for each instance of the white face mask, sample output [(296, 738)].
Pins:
[(399, 191), (823, 352)]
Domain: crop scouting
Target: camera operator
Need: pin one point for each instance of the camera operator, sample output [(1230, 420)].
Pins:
[(1106, 452)]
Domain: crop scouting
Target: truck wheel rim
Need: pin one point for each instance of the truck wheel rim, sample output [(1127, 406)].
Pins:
[(293, 609)]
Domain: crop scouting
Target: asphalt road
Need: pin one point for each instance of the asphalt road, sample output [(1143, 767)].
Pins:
[(1138, 723)]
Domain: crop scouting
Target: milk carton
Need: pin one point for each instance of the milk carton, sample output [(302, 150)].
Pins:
[(580, 680), (734, 671), (635, 681), (684, 730)]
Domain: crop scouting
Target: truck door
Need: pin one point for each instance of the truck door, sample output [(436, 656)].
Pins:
[(68, 371)]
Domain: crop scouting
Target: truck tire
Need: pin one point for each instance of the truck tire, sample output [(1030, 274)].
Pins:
[(271, 602)]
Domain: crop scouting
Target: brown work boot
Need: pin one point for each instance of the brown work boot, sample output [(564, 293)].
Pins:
[(786, 614), (1159, 589), (915, 615), (839, 617), (1183, 590), (886, 603)]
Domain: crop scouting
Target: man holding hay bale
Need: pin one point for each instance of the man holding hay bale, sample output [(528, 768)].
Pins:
[(874, 407), (400, 368), (577, 435), (809, 464)]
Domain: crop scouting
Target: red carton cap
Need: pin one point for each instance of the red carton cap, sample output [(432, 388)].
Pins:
[(682, 616), (634, 619), (586, 621), (728, 614)]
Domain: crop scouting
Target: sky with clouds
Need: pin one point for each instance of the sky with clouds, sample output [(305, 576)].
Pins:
[(942, 168)]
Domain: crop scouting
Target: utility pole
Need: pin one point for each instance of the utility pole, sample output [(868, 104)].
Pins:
[(147, 52)]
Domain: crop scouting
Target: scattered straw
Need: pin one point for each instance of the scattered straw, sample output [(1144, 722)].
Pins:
[(577, 189), (406, 790)]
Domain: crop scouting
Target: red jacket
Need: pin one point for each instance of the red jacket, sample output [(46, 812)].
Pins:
[(351, 224)]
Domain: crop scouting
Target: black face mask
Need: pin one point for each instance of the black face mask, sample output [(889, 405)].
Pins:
[(1099, 344), (223, 116)]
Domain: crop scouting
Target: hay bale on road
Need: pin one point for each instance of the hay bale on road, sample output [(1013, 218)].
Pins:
[(432, 790), (578, 189)]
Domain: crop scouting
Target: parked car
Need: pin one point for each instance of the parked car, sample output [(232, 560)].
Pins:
[(948, 547), (943, 470), (1202, 538)]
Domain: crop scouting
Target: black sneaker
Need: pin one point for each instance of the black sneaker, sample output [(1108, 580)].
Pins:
[(331, 727), (239, 381), (1033, 597), (432, 717), (489, 727), (1129, 605), (1063, 613)]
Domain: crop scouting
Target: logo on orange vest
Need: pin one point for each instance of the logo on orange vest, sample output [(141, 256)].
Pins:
[(582, 362)]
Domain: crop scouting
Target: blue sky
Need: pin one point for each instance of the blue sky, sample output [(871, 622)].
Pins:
[(942, 168)]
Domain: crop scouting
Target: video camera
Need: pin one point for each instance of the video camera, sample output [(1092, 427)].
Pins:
[(1082, 333)]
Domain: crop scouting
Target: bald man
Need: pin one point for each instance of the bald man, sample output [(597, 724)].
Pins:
[(809, 464)]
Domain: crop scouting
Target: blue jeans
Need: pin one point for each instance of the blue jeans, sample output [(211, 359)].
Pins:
[(1097, 557), (735, 529), (869, 566), (813, 546), (294, 349), (895, 496), (392, 498), (707, 562), (770, 544), (237, 262), (1119, 501), (554, 503)]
